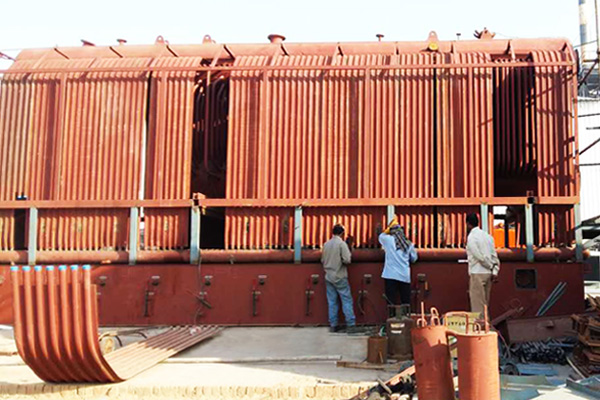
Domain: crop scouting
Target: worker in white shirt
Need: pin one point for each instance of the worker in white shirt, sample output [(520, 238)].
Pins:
[(484, 264)]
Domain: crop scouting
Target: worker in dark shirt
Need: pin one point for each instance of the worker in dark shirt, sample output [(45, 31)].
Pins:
[(336, 257)]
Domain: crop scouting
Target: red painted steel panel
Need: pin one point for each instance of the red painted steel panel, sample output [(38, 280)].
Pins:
[(81, 229), (166, 229), (169, 162), (83, 132), (282, 298), (170, 131), (362, 224), (452, 229), (556, 226), (99, 151), (331, 135), (261, 228), (7, 230), (555, 135), (465, 134)]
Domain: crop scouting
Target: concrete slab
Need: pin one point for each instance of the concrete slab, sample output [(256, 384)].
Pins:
[(249, 378)]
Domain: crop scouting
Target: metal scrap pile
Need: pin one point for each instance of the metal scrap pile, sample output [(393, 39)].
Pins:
[(587, 351), (548, 351)]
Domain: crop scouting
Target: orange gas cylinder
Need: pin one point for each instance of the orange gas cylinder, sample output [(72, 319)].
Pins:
[(478, 375), (432, 358)]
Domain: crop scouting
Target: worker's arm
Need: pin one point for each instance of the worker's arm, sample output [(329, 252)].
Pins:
[(346, 255), (383, 237), (494, 259), (413, 254)]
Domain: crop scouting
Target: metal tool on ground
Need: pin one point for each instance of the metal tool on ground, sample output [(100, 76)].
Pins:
[(397, 366), (402, 383), (478, 374), (56, 329), (432, 358)]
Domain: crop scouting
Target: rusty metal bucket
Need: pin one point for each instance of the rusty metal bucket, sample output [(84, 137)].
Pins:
[(478, 374), (377, 350), (432, 358)]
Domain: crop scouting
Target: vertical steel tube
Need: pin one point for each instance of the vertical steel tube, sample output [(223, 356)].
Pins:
[(529, 231), (134, 223), (298, 235), (597, 38), (578, 232), (485, 224), (391, 213), (195, 235), (32, 239)]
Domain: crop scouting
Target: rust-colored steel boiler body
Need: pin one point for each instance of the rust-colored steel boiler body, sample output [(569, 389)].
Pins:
[(432, 359), (241, 157)]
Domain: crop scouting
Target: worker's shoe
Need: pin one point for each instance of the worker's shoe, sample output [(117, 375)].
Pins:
[(353, 330), (334, 329)]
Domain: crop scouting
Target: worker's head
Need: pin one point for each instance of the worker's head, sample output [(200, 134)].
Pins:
[(338, 230), (472, 221)]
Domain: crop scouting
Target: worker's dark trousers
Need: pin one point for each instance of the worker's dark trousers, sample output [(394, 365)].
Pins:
[(397, 292)]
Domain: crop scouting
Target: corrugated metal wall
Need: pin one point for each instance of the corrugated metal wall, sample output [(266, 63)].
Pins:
[(555, 140), (74, 136), (590, 175), (335, 134), (290, 134), (465, 129), (408, 133), (169, 163), (84, 136)]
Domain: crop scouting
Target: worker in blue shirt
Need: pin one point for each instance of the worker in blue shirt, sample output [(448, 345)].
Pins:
[(399, 254)]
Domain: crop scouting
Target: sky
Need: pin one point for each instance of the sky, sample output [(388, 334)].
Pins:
[(48, 23)]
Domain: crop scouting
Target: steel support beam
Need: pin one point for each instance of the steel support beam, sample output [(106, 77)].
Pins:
[(32, 238), (485, 223), (529, 231), (195, 235), (391, 213), (578, 233), (134, 229), (298, 235)]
